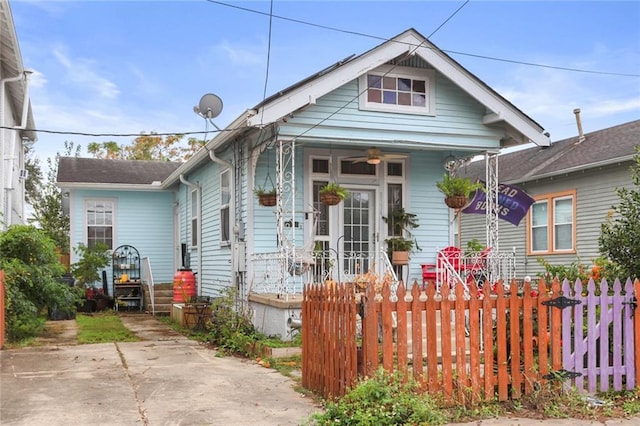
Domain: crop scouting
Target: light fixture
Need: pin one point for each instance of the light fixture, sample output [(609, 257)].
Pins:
[(373, 160), (450, 163)]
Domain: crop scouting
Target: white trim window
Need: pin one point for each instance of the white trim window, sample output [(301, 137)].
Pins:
[(195, 216), (398, 89), (225, 200), (99, 217)]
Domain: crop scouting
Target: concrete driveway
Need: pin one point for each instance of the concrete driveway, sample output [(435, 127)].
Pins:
[(165, 379)]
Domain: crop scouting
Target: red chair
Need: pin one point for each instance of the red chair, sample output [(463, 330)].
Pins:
[(430, 271), (450, 255), (428, 274)]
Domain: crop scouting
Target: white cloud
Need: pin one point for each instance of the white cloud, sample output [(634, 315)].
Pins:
[(37, 80), (616, 106), (81, 72), (240, 55)]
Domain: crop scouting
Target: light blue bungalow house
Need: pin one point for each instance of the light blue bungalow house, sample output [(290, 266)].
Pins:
[(382, 124)]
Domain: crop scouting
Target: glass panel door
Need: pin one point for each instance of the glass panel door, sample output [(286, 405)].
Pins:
[(358, 231)]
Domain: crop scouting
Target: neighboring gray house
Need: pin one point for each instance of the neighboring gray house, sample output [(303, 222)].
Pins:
[(573, 182), (382, 124), (15, 119)]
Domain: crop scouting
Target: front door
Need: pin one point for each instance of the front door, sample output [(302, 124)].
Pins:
[(358, 231)]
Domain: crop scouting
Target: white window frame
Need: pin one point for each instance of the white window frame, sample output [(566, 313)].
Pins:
[(320, 177), (551, 200), (225, 205), (400, 72), (94, 201)]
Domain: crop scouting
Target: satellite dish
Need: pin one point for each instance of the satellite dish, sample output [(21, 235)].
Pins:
[(210, 106)]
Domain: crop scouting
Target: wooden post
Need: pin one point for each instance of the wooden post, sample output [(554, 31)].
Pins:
[(2, 309)]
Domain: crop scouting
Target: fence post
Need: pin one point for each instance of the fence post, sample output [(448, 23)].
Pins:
[(2, 308), (369, 332), (636, 332)]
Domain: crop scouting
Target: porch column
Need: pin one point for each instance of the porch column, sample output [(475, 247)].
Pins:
[(492, 210)]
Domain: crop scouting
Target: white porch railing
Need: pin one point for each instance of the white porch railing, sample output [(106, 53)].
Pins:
[(275, 273), (456, 265)]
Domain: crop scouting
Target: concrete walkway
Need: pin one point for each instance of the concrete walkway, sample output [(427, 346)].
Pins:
[(165, 379)]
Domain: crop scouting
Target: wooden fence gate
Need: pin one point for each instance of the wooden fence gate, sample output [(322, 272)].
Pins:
[(599, 337), (468, 347)]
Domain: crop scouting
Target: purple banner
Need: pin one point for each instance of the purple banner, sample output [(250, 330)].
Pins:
[(513, 203)]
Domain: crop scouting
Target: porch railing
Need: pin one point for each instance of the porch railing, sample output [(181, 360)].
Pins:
[(459, 266), (281, 274)]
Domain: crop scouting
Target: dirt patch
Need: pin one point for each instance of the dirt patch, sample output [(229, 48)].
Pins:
[(64, 333)]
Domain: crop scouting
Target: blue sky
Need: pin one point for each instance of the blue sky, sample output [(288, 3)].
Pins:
[(130, 66)]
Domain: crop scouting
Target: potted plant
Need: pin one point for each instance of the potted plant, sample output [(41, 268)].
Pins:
[(332, 194), (456, 190), (399, 246), (86, 272), (266, 197)]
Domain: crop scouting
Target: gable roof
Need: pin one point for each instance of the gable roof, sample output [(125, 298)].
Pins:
[(521, 127), (78, 172), (602, 147)]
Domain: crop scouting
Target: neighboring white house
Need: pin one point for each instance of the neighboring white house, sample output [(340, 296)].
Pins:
[(382, 124), (16, 120)]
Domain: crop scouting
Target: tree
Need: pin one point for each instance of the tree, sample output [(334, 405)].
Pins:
[(147, 147), (34, 176), (32, 279), (46, 201), (620, 234)]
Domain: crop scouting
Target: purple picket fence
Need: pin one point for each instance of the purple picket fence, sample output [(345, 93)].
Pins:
[(598, 336)]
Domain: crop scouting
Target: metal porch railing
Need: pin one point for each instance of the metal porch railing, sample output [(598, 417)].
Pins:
[(269, 275)]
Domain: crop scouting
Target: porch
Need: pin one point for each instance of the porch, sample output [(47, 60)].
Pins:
[(287, 272)]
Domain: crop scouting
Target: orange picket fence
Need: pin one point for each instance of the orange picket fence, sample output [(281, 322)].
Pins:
[(463, 346)]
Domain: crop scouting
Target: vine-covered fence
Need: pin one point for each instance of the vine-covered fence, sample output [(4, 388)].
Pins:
[(468, 347)]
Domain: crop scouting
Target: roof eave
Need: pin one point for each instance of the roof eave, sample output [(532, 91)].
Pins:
[(228, 133), (581, 167), (410, 42), (110, 186)]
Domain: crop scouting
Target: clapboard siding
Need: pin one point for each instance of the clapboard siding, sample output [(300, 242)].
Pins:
[(457, 116), (215, 256), (143, 219), (595, 196)]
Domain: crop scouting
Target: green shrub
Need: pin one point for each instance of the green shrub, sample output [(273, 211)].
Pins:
[(86, 271), (32, 277), (384, 399), (231, 330)]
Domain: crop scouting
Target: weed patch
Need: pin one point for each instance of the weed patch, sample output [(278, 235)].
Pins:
[(103, 327)]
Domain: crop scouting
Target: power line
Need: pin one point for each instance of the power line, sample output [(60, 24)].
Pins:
[(453, 52), (98, 135), (385, 74)]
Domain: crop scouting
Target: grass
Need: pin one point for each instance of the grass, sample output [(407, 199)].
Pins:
[(103, 327)]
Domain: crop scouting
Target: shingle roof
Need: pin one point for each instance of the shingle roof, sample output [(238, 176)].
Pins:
[(599, 147), (93, 170)]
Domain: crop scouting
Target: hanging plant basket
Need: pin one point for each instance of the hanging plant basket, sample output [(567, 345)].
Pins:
[(330, 199), (332, 193), (456, 202), (267, 200)]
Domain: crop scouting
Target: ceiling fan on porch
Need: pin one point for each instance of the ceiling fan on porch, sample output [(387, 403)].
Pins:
[(375, 156)]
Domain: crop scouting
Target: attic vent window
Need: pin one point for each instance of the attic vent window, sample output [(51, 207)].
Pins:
[(408, 90)]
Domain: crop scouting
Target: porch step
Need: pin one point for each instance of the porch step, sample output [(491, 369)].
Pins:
[(162, 308), (163, 298)]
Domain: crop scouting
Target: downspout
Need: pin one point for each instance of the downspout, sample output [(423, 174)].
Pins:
[(7, 178), (198, 231)]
